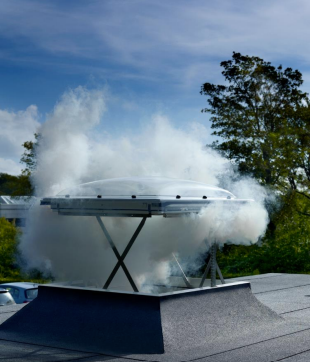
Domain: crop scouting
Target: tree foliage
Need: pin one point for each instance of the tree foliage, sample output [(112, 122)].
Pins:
[(263, 117), (21, 185), (8, 248), (29, 157), (15, 185), (287, 250)]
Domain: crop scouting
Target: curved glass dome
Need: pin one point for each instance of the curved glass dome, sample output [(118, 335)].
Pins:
[(145, 186)]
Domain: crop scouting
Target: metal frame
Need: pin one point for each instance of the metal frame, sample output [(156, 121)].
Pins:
[(114, 203), (134, 206), (212, 264), (141, 206), (120, 258), (184, 277)]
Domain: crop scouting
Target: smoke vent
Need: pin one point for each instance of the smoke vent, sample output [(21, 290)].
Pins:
[(119, 322), (155, 199)]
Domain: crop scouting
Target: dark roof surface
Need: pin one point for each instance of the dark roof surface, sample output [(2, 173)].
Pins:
[(288, 341)]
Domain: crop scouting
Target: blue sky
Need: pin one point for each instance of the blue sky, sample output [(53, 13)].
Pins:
[(151, 56)]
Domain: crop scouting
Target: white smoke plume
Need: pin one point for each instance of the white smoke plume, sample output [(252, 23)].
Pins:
[(71, 152)]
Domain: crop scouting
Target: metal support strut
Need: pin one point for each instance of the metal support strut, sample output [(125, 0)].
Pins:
[(212, 264), (120, 258), (184, 277)]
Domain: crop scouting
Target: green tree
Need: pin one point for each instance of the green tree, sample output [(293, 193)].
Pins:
[(8, 249), (7, 183), (262, 118), (15, 185), (286, 251), (29, 159), (21, 185)]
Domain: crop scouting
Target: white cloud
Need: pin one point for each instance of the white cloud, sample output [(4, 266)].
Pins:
[(9, 166), (15, 129), (161, 38)]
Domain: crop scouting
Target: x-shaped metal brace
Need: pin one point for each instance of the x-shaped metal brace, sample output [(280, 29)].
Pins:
[(212, 264), (120, 258)]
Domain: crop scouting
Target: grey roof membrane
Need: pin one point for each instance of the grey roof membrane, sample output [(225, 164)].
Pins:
[(264, 337)]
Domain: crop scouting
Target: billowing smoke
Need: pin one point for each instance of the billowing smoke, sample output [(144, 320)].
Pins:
[(73, 150)]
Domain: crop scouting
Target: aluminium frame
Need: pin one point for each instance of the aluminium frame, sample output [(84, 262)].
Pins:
[(212, 264)]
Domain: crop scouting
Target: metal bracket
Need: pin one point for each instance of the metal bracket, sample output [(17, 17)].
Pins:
[(212, 264), (120, 258)]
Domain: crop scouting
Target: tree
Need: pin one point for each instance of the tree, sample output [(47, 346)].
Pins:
[(263, 118), (287, 251), (29, 159), (8, 248), (7, 183), (21, 185), (15, 185)]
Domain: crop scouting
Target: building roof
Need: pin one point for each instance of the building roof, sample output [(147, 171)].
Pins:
[(288, 340), (15, 207)]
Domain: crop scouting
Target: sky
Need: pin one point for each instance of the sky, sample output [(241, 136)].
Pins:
[(150, 57)]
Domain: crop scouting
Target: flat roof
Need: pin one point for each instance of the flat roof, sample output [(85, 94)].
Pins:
[(286, 294)]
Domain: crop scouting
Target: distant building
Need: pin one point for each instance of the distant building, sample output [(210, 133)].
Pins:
[(15, 208)]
